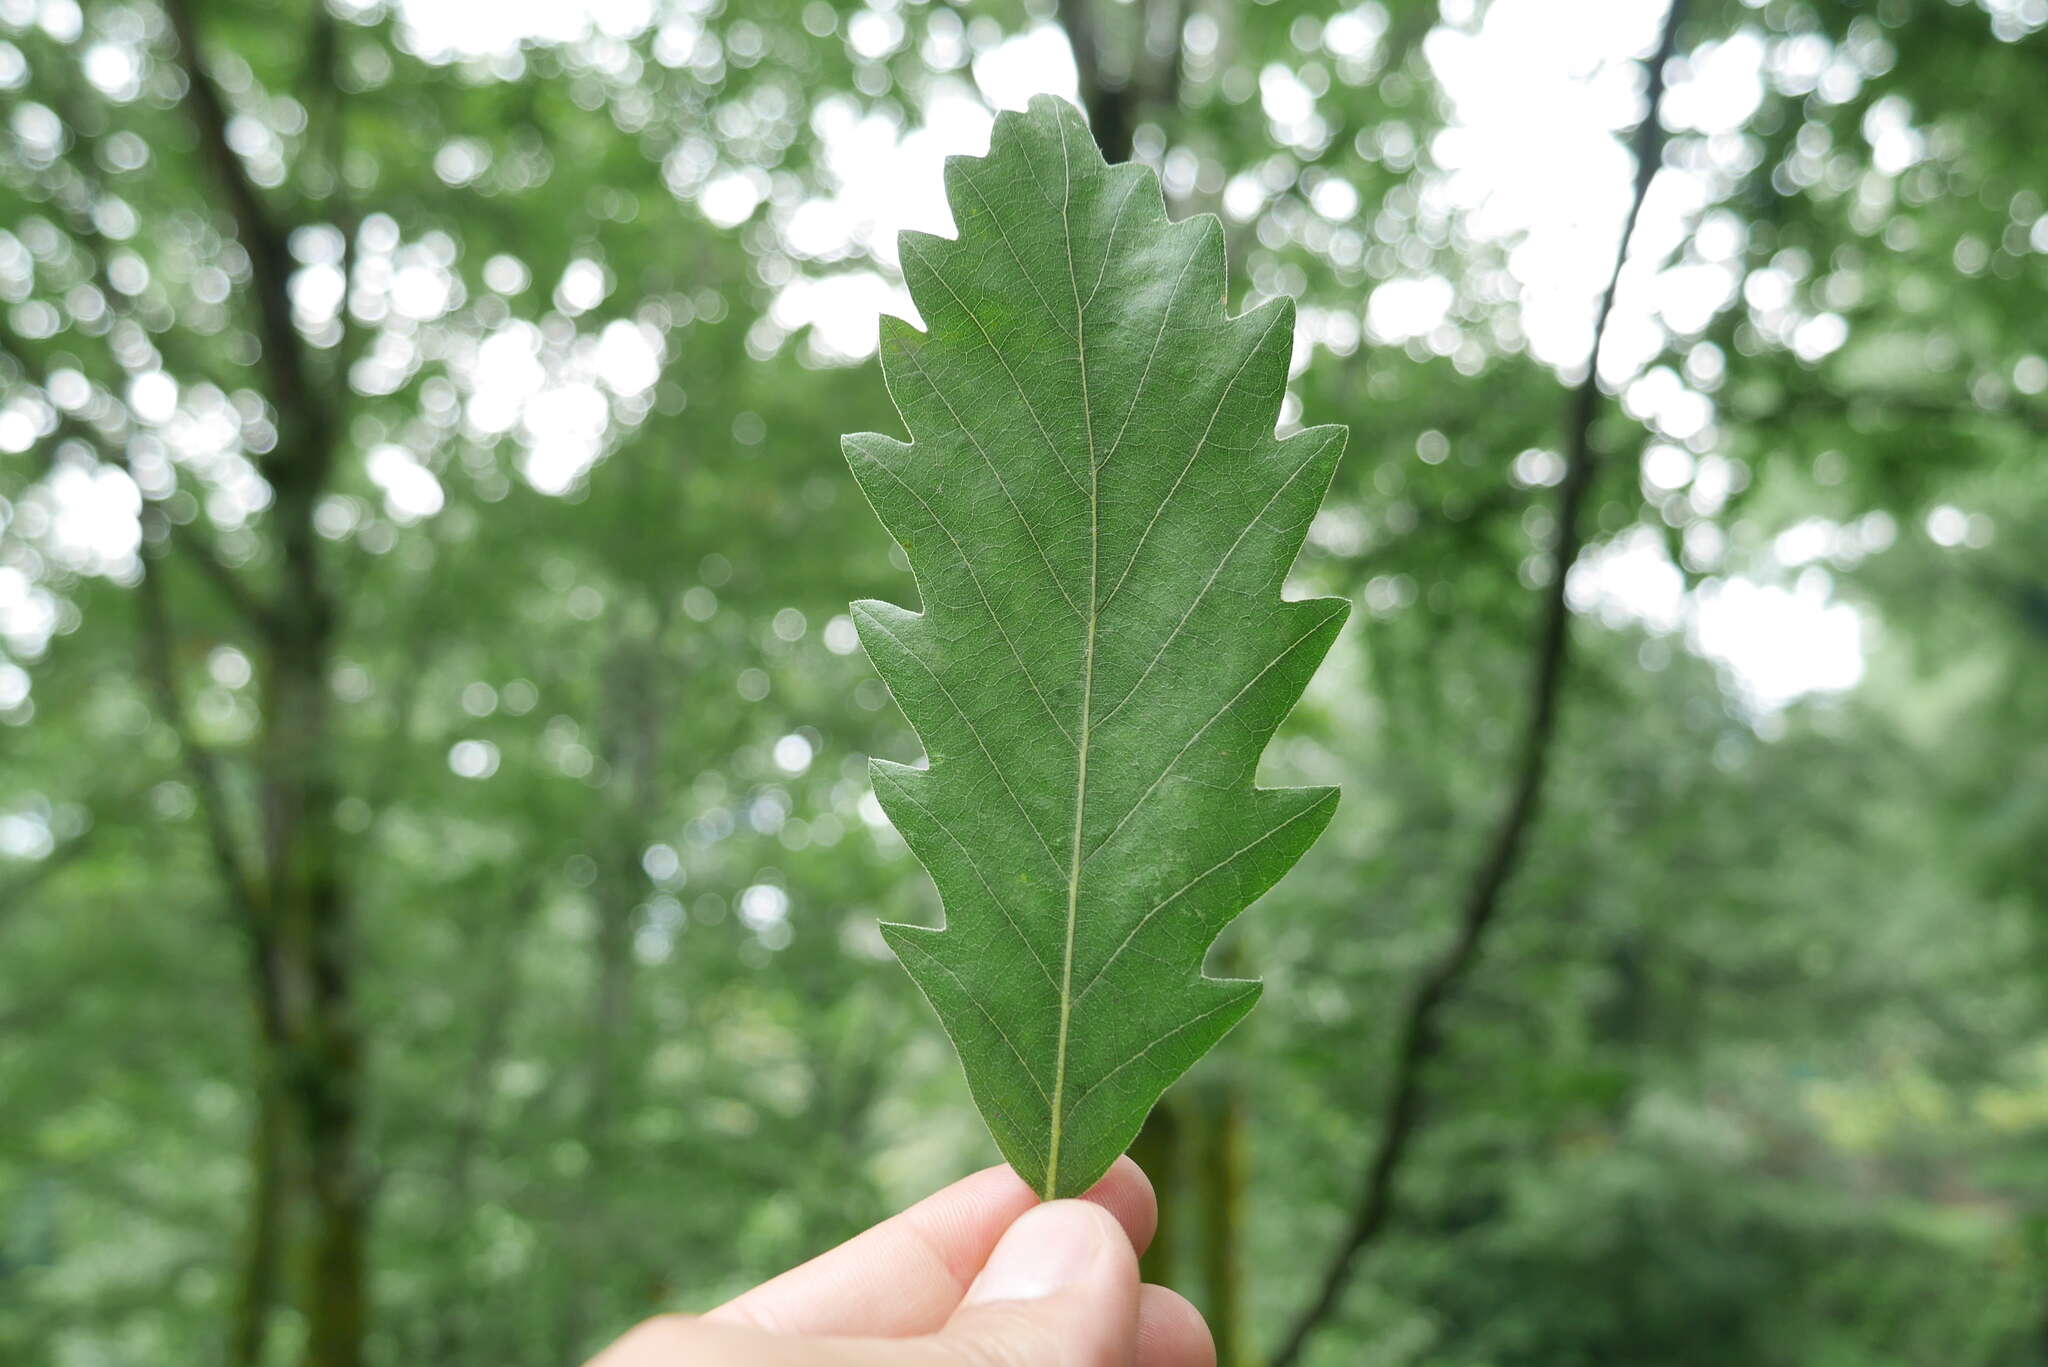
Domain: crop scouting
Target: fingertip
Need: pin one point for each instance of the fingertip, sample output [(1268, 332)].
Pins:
[(902, 1277), (1052, 1247), (664, 1338), (1171, 1332), (1061, 1287), (1126, 1193)]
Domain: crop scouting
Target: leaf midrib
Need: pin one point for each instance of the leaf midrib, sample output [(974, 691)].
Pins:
[(1059, 1083)]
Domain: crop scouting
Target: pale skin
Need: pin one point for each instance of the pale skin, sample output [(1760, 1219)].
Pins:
[(977, 1275)]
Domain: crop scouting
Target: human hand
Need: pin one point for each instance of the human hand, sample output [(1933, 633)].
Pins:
[(977, 1275)]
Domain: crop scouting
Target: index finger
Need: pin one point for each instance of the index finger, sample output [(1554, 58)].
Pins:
[(906, 1275)]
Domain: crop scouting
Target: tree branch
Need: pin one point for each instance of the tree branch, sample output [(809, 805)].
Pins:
[(1910, 407), (202, 765), (299, 401), (205, 557), (1421, 1028), (14, 894)]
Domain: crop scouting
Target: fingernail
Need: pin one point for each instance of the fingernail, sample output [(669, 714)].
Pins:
[(1050, 1247)]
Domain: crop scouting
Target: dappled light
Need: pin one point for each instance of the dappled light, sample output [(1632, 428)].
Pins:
[(442, 880)]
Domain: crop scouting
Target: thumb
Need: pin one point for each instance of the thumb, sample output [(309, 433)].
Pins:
[(1060, 1290)]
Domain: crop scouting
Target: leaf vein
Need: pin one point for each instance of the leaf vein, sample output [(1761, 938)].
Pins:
[(1023, 269), (972, 730), (1059, 1084), (1184, 888), (989, 340), (1220, 713), (986, 886), (1145, 375), (1207, 585), (1138, 1057), (986, 1015), (982, 590), (1194, 456), (1001, 483)]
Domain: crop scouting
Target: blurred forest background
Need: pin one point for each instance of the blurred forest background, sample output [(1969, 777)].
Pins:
[(437, 874)]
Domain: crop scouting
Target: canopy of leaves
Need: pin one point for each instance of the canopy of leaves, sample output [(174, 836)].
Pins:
[(1754, 1067)]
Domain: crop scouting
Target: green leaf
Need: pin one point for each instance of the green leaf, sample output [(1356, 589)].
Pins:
[(1099, 519)]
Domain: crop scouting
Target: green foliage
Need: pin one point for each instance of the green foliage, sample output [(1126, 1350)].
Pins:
[(1099, 518), (1753, 1069)]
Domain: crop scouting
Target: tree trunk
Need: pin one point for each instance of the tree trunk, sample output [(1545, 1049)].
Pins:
[(311, 910), (633, 750), (298, 911), (1133, 76), (1158, 1150), (263, 1235), (1221, 1182)]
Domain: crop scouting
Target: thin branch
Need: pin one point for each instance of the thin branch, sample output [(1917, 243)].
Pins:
[(298, 400), (38, 1011), (1921, 407), (15, 350), (1468, 519), (201, 764), (1421, 1028), (325, 91), (108, 448), (14, 894), (205, 557)]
